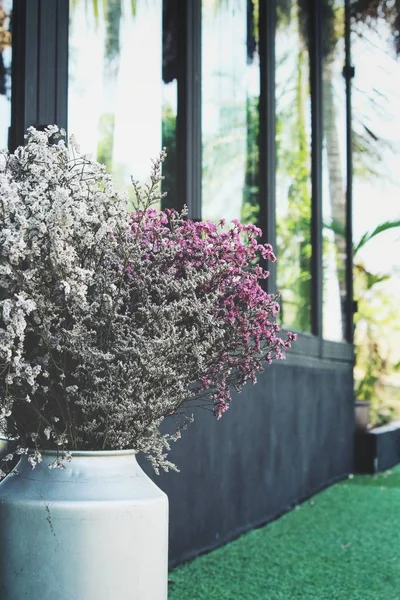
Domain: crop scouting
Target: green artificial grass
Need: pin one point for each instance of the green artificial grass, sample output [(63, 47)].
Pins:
[(342, 544)]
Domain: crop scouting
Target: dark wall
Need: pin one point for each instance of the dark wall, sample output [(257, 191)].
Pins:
[(280, 441)]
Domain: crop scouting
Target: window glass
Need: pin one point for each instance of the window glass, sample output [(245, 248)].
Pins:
[(5, 70), (334, 172), (122, 100), (293, 171), (230, 119)]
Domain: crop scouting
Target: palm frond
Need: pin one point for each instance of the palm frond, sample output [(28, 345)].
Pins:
[(96, 9), (369, 235), (336, 226)]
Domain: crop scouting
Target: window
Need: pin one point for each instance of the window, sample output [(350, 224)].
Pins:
[(5, 70), (334, 172), (293, 170), (230, 105), (124, 60), (122, 97)]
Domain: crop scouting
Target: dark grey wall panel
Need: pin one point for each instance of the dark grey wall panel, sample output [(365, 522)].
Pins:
[(281, 440)]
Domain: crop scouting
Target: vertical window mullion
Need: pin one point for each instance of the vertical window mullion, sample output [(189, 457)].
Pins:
[(189, 109), (316, 169), (348, 74), (24, 69), (267, 142), (46, 88), (39, 94), (61, 83)]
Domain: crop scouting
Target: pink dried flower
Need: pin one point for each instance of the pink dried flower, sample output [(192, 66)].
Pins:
[(230, 261), (111, 322)]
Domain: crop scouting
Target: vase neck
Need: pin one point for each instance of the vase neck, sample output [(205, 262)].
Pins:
[(83, 466)]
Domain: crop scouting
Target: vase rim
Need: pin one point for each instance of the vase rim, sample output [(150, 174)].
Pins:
[(88, 453)]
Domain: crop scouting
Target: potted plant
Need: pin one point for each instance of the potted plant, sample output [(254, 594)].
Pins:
[(110, 322), (371, 364)]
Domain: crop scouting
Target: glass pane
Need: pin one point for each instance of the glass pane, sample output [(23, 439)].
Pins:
[(230, 120), (334, 173), (123, 84), (170, 99), (293, 172), (5, 70)]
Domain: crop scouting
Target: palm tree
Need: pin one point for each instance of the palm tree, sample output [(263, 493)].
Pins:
[(362, 11), (369, 12), (333, 23), (293, 150), (111, 12)]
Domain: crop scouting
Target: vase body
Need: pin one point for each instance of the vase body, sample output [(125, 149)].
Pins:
[(96, 530), (3, 446)]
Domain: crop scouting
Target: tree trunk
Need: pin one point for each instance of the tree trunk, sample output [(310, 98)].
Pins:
[(337, 191)]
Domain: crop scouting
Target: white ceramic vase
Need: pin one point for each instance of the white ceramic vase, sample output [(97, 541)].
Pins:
[(3, 446), (96, 530)]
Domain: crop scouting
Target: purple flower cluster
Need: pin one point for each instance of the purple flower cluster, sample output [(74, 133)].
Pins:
[(110, 321), (230, 261)]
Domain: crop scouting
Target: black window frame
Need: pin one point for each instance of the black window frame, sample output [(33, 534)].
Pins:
[(39, 66), (311, 345), (40, 97)]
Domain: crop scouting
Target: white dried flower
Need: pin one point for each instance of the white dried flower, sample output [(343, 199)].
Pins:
[(32, 461), (66, 287), (104, 331)]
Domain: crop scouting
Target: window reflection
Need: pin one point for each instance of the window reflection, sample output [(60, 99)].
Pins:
[(5, 70), (122, 84), (293, 173), (170, 91), (334, 170), (230, 120)]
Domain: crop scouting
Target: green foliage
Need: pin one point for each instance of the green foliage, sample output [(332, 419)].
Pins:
[(371, 326), (339, 229), (367, 236), (106, 140), (284, 12), (374, 367), (113, 20), (367, 155), (94, 7), (170, 166), (251, 192), (375, 321), (294, 229), (333, 16), (133, 7), (369, 12)]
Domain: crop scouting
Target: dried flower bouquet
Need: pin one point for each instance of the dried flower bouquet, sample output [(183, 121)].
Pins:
[(111, 321)]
